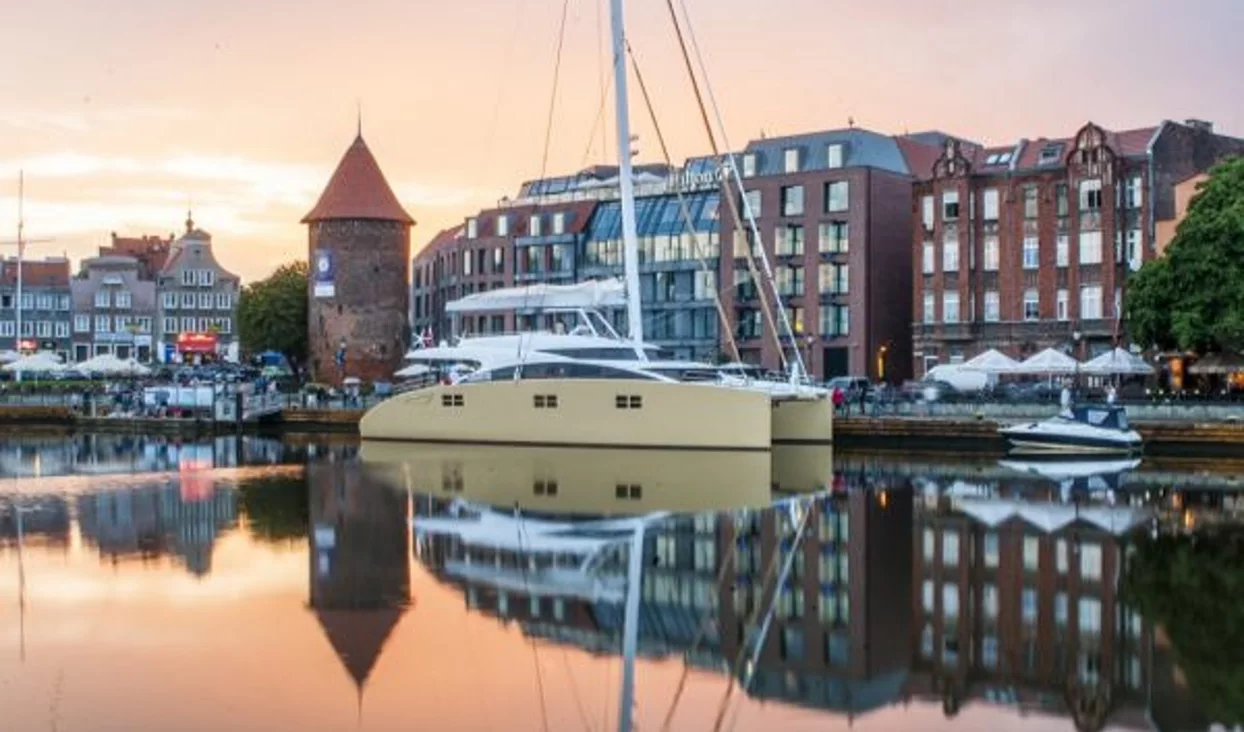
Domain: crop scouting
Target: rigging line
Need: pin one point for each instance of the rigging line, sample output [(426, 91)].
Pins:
[(732, 169), (765, 310), (521, 530), (574, 688), (606, 87), (684, 210), (496, 107), (605, 79)]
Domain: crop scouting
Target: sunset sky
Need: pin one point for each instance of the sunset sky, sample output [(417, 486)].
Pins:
[(123, 112)]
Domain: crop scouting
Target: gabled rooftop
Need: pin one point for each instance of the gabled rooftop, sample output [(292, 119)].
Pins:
[(358, 190)]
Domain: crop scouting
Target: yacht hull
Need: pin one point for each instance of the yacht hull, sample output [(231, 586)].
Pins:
[(1033, 440), (576, 412), (808, 421)]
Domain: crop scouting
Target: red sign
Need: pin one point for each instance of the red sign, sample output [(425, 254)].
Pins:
[(26, 344), (196, 342)]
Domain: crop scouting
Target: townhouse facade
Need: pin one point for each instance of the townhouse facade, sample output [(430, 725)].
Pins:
[(1028, 246), (45, 304), (197, 309), (114, 309)]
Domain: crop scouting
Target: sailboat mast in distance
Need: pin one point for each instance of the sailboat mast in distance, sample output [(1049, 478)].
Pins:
[(626, 182)]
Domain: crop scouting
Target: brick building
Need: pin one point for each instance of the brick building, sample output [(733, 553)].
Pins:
[(1028, 246), (46, 306), (149, 251), (358, 245), (829, 207)]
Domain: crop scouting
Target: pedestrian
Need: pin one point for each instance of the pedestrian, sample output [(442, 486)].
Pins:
[(1065, 397), (839, 399), (863, 401), (1111, 395)]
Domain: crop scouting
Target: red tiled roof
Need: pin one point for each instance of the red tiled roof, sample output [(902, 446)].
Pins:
[(36, 273), (358, 190), (150, 251), (442, 240), (920, 157)]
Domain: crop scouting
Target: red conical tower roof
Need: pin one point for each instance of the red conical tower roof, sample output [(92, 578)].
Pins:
[(358, 190)]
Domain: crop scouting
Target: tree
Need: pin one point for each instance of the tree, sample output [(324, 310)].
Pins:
[(1193, 297), (272, 313), (277, 510)]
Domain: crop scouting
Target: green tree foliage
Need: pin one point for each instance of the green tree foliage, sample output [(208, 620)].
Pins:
[(277, 509), (1193, 297), (272, 313), (1193, 586)]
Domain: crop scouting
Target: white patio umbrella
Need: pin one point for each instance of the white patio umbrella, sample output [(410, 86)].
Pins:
[(1049, 361), (9, 356), (38, 363), (109, 365), (992, 361), (1119, 362)]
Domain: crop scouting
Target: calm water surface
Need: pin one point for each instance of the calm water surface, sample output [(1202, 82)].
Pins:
[(261, 584)]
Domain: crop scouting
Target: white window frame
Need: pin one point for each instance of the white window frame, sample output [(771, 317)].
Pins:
[(1032, 252), (991, 253), (170, 324), (990, 204), (62, 329), (1062, 306), (833, 155), (790, 160), (930, 308), (927, 216), (472, 227), (993, 306), (559, 223), (1063, 250), (1087, 188), (832, 202), (533, 226), (81, 323), (950, 307), (503, 225), (1086, 312), (187, 278), (103, 324), (169, 300), (950, 254), (948, 198), (749, 165), (1036, 300), (1090, 247), (102, 298), (929, 257)]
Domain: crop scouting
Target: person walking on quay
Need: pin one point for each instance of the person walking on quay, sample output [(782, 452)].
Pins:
[(863, 401), (839, 402), (1111, 394), (1065, 397)]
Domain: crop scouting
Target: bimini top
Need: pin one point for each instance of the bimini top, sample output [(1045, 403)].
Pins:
[(589, 294)]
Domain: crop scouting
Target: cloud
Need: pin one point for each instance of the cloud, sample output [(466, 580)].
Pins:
[(87, 119)]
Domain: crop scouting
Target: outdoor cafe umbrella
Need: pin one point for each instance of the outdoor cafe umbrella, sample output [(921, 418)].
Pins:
[(992, 361), (107, 364), (1050, 362), (1118, 362), (38, 363), (9, 356)]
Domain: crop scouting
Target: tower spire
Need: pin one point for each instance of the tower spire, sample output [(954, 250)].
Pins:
[(358, 108)]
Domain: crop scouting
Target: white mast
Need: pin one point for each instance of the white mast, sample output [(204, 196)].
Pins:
[(630, 237)]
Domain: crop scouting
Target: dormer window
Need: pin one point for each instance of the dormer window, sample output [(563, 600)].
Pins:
[(472, 228), (791, 158), (535, 226), (749, 165), (1050, 154), (559, 223), (503, 225), (834, 155)]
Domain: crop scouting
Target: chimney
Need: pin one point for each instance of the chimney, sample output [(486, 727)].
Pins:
[(1200, 125)]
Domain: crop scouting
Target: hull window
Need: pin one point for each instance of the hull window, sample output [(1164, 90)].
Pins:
[(545, 401), (544, 488), (629, 401), (629, 492), (451, 400)]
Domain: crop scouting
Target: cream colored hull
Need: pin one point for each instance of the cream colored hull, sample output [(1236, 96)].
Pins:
[(803, 421), (575, 480), (803, 468), (576, 412)]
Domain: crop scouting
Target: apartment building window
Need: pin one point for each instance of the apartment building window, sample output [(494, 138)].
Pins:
[(43, 329), (169, 300), (81, 323), (1133, 250), (1089, 616), (1060, 609), (1032, 553), (930, 313), (950, 549), (62, 329), (28, 329), (950, 205), (1028, 603), (789, 240), (1032, 252), (835, 320), (144, 325), (1061, 197), (1032, 305), (993, 306), (498, 257), (950, 601), (187, 300), (950, 252), (103, 324), (989, 600), (991, 253), (1090, 302), (102, 299), (224, 300), (1030, 202), (170, 325), (926, 212), (1090, 195), (472, 227), (187, 278), (205, 301), (749, 165), (791, 160), (750, 202), (834, 237), (794, 315), (62, 303), (833, 155), (789, 280), (792, 200), (1061, 306), (124, 299), (705, 285), (834, 279), (534, 226), (535, 259), (187, 325), (8, 328), (205, 324), (559, 223), (1133, 195), (1063, 250), (837, 196), (206, 278), (1090, 247), (950, 307), (45, 302), (121, 323), (28, 302), (991, 549), (503, 225), (1090, 562), (928, 262), (991, 204)]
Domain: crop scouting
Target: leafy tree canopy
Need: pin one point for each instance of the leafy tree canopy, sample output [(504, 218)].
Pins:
[(1193, 297), (272, 313), (277, 509)]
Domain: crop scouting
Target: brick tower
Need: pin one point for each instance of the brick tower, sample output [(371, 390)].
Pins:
[(358, 240)]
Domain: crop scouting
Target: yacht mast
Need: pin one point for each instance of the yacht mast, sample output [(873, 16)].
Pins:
[(630, 237)]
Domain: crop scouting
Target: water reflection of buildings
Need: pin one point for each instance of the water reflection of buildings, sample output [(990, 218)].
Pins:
[(45, 520), (839, 637), (359, 568), (122, 453), (1018, 603), (179, 518)]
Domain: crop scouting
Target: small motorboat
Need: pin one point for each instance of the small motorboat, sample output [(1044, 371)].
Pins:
[(1098, 429)]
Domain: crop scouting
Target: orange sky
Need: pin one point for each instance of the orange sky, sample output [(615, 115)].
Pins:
[(123, 112)]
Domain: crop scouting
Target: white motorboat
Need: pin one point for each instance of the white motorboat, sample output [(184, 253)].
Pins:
[(1097, 429)]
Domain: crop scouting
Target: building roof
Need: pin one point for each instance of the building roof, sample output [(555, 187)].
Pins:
[(50, 272), (444, 239), (149, 250), (358, 190), (861, 149), (358, 637)]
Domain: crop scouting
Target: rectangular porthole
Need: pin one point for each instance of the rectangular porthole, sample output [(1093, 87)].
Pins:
[(451, 400), (637, 402), (621, 401), (544, 401), (629, 401), (628, 492), (544, 488)]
